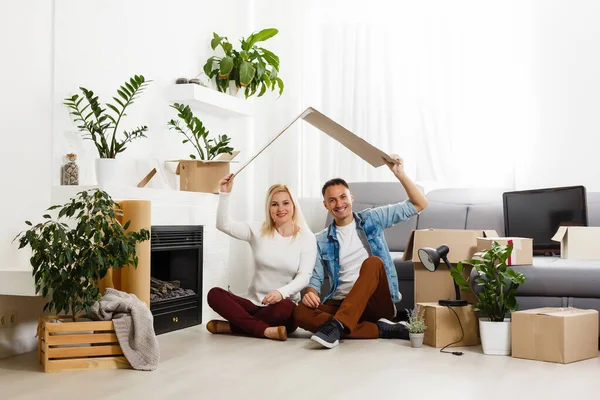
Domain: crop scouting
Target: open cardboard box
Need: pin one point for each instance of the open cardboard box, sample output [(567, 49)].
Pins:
[(522, 253), (578, 242), (203, 176), (438, 285)]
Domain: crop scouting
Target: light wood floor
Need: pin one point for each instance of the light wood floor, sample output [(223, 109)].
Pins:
[(198, 365)]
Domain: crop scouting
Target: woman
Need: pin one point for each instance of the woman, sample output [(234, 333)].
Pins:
[(284, 251)]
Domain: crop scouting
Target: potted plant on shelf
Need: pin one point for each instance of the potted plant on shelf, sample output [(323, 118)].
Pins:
[(101, 125), (416, 326), (203, 172), (68, 260), (496, 287), (251, 68)]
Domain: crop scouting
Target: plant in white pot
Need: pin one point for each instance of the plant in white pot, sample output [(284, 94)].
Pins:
[(416, 326), (101, 125), (496, 288)]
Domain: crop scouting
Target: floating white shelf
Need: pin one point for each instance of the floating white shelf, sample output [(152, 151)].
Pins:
[(210, 100), (17, 283)]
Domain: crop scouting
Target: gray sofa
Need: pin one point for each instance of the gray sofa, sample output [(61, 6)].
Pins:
[(551, 281)]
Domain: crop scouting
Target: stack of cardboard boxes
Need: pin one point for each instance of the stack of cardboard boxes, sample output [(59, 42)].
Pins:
[(549, 334)]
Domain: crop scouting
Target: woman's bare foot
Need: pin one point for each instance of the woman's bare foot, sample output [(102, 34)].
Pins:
[(215, 326), (276, 333)]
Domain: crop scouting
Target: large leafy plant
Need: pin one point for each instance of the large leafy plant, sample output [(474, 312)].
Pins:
[(251, 67), (197, 134), (101, 126), (68, 259), (497, 282)]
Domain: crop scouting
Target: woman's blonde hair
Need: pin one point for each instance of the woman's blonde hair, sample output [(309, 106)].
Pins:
[(268, 227)]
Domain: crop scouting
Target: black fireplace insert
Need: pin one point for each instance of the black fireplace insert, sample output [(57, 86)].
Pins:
[(176, 276)]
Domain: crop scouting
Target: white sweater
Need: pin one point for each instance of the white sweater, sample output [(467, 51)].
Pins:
[(281, 263)]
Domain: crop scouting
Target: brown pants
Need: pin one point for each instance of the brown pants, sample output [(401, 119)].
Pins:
[(368, 301)]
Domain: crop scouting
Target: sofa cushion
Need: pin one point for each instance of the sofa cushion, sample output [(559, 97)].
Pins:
[(442, 216), (405, 269), (557, 277), (486, 216)]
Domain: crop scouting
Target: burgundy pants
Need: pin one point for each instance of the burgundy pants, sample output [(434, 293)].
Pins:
[(246, 317)]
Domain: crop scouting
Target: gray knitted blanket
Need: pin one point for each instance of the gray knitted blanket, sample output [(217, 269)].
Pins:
[(133, 325)]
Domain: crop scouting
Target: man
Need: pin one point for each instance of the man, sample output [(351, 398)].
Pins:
[(354, 255)]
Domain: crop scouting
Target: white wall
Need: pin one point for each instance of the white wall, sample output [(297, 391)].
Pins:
[(25, 116), (25, 122), (564, 149), (98, 45)]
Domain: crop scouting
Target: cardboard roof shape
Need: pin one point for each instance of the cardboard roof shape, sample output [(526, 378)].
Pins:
[(356, 144)]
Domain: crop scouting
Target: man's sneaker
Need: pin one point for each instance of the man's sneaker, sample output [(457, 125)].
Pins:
[(328, 334), (391, 330)]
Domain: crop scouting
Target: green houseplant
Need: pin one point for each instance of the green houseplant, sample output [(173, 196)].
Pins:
[(197, 135), (100, 124), (496, 291), (251, 67), (68, 258), (416, 326)]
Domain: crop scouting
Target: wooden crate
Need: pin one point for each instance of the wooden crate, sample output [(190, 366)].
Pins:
[(70, 346)]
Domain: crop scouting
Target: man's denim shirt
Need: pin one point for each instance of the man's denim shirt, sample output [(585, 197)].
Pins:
[(370, 224)]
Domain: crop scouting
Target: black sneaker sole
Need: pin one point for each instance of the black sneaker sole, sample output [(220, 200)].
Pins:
[(324, 343)]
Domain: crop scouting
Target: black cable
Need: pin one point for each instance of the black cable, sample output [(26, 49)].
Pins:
[(462, 335)]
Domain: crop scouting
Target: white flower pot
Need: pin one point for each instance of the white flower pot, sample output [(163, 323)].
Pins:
[(111, 172), (416, 339), (495, 337), (235, 91)]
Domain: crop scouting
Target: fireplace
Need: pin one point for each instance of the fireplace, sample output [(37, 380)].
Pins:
[(176, 276)]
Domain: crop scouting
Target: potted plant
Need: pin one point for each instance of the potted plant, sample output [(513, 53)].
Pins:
[(496, 287), (203, 172), (416, 326), (250, 67), (101, 125), (69, 259)]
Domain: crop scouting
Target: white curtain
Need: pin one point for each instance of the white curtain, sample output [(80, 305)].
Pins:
[(443, 84)]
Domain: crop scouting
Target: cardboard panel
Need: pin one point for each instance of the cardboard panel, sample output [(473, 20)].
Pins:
[(352, 142)]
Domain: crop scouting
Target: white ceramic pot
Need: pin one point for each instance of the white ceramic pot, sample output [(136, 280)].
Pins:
[(109, 172), (235, 92), (495, 337), (416, 339)]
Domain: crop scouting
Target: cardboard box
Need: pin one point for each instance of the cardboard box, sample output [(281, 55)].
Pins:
[(578, 242), (522, 253), (433, 286), (203, 176), (561, 335), (443, 328)]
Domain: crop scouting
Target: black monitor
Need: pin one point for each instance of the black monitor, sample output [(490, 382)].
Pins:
[(537, 214)]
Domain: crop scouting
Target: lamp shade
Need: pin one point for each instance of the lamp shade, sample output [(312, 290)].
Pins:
[(430, 257)]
